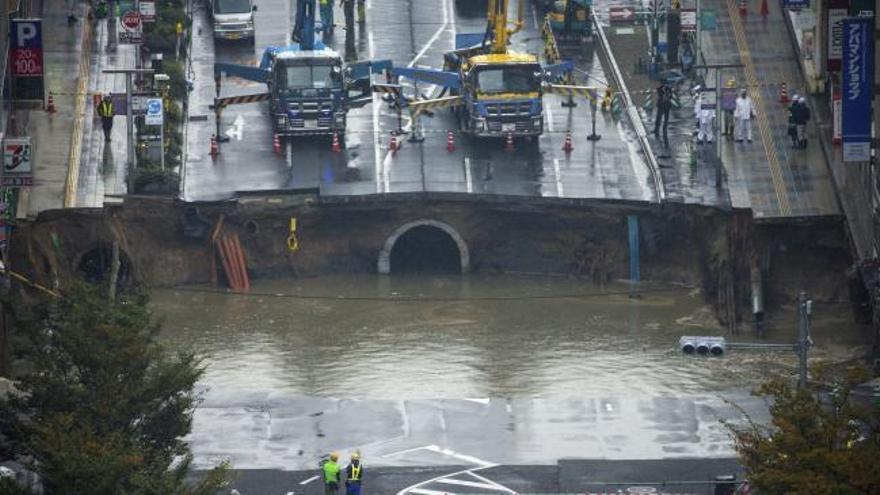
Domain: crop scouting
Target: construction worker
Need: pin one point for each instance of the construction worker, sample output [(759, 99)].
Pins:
[(330, 471), (801, 119), (728, 105), (105, 111), (743, 114), (354, 475), (664, 105), (326, 7), (707, 117)]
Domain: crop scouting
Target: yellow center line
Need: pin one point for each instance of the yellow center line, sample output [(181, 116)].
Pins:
[(767, 139), (79, 114)]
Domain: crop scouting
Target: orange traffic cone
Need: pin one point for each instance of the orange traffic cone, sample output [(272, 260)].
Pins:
[(336, 147), (276, 144), (50, 105), (450, 141), (215, 149), (393, 145), (742, 7), (765, 10), (783, 93), (567, 147), (508, 142)]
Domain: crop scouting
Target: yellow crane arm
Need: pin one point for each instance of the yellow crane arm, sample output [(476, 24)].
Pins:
[(497, 16)]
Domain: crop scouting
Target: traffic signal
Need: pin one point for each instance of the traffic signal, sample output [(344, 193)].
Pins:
[(706, 346)]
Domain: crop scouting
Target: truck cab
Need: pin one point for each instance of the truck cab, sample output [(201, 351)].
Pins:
[(233, 19), (311, 93), (502, 95)]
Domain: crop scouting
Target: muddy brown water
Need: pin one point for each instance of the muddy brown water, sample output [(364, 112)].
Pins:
[(414, 337)]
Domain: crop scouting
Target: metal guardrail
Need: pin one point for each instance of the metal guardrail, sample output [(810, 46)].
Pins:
[(633, 115)]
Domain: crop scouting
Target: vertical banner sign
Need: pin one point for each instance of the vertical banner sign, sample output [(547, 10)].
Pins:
[(129, 22), (858, 85), (26, 59), (835, 37), (17, 163)]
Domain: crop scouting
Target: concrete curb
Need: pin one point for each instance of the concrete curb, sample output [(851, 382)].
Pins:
[(75, 150), (632, 114)]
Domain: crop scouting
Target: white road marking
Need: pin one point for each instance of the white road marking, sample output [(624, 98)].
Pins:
[(557, 173), (462, 457), (407, 451), (377, 154), (490, 482), (535, 18), (306, 482), (509, 409), (236, 130), (472, 484), (288, 150), (422, 491), (479, 401), (435, 36), (467, 177), (549, 117)]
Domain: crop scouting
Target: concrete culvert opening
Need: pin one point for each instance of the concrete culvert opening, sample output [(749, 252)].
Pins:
[(426, 246), (95, 265)]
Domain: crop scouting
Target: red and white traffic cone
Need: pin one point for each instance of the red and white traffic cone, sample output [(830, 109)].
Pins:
[(765, 9), (743, 9), (450, 141), (393, 145), (276, 144), (335, 147), (567, 147), (783, 93), (50, 105), (215, 148), (508, 142)]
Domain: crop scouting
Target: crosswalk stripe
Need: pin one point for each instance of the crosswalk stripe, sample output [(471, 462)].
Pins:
[(472, 484)]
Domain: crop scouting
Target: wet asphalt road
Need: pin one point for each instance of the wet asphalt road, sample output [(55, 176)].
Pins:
[(567, 476), (412, 33)]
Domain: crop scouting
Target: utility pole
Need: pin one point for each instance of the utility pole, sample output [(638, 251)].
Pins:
[(130, 158)]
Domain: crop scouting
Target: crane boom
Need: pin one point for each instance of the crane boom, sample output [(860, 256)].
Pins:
[(497, 29)]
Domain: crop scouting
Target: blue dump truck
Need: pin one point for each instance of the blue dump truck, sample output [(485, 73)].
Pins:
[(309, 88)]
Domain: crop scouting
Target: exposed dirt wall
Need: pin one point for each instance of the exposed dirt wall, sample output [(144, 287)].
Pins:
[(167, 242)]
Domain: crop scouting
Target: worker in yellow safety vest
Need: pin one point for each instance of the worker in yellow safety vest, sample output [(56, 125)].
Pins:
[(330, 471), (105, 111), (354, 475), (326, 7)]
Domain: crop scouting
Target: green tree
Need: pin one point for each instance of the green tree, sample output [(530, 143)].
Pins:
[(816, 443), (106, 406)]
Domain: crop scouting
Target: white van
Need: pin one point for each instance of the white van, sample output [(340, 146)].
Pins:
[(233, 19)]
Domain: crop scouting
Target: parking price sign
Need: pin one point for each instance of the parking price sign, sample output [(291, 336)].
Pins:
[(26, 59)]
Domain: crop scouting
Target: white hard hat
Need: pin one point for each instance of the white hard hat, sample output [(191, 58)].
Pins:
[(802, 99)]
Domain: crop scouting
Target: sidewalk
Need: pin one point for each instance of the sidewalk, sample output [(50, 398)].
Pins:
[(72, 167), (103, 165), (685, 180), (51, 133), (766, 175), (849, 180)]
